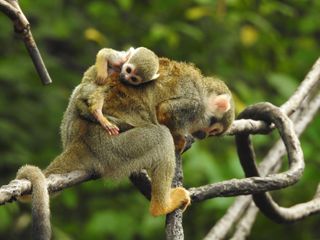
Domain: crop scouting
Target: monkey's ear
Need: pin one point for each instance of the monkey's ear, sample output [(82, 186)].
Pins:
[(129, 53), (219, 104), (155, 76)]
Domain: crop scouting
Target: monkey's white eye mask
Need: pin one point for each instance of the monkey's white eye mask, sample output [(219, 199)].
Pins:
[(129, 75)]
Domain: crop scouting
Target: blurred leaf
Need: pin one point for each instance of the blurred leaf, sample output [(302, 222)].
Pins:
[(239, 105), (277, 7), (190, 31), (160, 32), (283, 84), (205, 1), (5, 219), (248, 35), (125, 4), (23, 222), (195, 13), (70, 199), (309, 24), (94, 35), (106, 223), (102, 9)]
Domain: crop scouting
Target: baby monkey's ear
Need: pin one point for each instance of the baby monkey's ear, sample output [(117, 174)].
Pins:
[(155, 76), (129, 53), (218, 105)]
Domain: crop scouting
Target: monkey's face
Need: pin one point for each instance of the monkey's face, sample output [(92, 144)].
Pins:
[(129, 74), (218, 117)]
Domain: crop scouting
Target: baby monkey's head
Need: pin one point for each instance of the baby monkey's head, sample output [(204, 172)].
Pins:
[(142, 66)]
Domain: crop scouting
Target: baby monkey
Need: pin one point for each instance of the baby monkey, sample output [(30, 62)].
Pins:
[(136, 66)]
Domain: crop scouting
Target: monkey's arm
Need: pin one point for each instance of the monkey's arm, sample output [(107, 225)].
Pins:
[(177, 114), (102, 65)]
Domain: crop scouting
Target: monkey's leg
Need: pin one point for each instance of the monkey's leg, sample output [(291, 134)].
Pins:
[(76, 156), (165, 199), (148, 147)]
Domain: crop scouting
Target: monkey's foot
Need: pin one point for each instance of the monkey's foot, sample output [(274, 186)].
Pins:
[(179, 198)]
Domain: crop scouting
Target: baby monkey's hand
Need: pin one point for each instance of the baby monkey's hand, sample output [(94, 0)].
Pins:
[(112, 129)]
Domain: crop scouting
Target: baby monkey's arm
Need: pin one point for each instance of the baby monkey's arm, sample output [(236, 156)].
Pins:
[(89, 104), (95, 102), (108, 61)]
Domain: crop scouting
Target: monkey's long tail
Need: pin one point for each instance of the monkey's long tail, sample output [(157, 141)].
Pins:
[(41, 227)]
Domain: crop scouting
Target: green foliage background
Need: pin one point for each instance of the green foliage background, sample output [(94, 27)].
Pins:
[(262, 49)]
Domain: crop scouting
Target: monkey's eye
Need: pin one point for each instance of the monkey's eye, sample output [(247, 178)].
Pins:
[(128, 70), (213, 120), (134, 79)]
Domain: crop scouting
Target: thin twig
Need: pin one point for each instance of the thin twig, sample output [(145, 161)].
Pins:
[(22, 27)]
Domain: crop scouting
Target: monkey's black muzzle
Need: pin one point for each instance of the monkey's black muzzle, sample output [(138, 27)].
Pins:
[(199, 134), (122, 78)]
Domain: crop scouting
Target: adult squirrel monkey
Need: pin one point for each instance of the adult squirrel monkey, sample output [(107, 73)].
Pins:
[(137, 66), (152, 118)]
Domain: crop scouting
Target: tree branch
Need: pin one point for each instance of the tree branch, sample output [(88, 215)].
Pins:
[(310, 82), (268, 113), (12, 9), (174, 228), (56, 182), (280, 214), (303, 116), (235, 211)]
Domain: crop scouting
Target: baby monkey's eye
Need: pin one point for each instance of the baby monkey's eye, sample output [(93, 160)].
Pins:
[(134, 79), (128, 69)]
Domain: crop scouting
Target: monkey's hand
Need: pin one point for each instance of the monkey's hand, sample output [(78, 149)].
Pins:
[(110, 127)]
